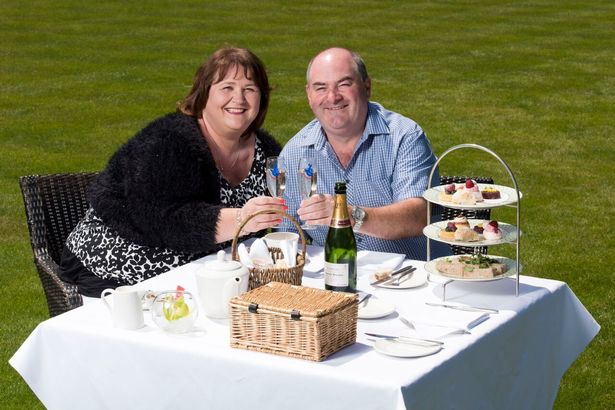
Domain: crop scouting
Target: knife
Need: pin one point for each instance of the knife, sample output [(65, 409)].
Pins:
[(402, 278), (406, 339), (394, 274), (465, 308)]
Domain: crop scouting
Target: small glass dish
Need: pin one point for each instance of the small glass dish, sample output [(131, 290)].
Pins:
[(174, 311)]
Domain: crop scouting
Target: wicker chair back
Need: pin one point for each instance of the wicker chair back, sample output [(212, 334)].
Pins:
[(54, 204)]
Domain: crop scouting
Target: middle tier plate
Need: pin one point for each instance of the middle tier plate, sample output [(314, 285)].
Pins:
[(509, 233)]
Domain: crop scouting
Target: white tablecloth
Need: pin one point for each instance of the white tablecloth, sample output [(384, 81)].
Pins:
[(513, 360)]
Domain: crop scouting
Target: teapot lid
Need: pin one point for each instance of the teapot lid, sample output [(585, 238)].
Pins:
[(221, 264)]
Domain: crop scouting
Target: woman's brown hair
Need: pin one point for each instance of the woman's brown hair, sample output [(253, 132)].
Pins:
[(215, 69)]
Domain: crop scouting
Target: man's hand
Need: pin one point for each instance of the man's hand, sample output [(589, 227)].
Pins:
[(317, 209)]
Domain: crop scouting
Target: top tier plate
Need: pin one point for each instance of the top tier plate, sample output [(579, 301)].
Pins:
[(508, 196)]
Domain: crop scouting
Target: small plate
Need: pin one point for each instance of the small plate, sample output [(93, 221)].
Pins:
[(375, 308), (418, 278), (400, 349)]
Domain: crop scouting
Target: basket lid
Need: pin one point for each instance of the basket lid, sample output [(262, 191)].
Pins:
[(290, 299)]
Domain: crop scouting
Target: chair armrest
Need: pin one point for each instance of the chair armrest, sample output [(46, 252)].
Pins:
[(61, 296)]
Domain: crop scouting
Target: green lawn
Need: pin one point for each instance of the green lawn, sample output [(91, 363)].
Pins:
[(532, 80)]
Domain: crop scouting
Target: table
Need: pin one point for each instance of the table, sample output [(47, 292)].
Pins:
[(513, 360)]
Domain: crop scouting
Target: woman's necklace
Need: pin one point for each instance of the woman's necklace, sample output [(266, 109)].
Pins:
[(217, 151)]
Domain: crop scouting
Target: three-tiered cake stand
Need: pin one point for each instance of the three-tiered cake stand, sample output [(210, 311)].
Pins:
[(509, 197)]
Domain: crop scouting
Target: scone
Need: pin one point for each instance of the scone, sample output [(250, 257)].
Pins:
[(466, 235)]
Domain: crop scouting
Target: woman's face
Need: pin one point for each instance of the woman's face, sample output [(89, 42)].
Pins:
[(232, 104)]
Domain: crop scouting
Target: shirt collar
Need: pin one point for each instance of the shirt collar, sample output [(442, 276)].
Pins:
[(375, 125)]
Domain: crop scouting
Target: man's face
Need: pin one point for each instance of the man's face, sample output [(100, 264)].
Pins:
[(337, 95)]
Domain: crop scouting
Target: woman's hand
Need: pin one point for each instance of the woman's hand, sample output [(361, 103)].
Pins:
[(317, 209), (262, 221)]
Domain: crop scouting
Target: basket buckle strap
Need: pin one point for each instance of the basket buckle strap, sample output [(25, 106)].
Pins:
[(252, 307), (295, 315)]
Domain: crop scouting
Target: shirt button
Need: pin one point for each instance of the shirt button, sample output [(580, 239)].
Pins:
[(359, 239)]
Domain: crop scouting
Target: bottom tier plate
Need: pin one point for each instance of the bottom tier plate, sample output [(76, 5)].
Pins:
[(510, 264)]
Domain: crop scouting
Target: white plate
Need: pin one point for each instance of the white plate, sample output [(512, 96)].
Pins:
[(508, 196), (401, 349), (509, 233), (418, 278), (511, 264), (375, 308)]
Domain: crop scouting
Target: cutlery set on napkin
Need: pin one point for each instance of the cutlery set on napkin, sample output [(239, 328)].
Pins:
[(439, 321)]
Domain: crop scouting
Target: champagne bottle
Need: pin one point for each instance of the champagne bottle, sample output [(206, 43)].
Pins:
[(340, 247)]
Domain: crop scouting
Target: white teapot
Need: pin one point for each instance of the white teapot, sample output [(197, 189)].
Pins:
[(217, 282)]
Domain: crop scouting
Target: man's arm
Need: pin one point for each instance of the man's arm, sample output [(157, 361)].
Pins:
[(399, 220)]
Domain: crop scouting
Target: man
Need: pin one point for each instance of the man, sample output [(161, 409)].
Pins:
[(384, 158)]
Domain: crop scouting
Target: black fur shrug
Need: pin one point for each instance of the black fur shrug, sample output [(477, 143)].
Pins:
[(161, 188)]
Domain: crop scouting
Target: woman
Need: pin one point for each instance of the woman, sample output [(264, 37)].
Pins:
[(180, 188)]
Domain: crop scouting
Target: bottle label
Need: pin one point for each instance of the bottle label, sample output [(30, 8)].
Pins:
[(336, 274), (339, 223)]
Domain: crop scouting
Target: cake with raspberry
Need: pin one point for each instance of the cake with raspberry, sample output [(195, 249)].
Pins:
[(448, 233), (447, 194), (492, 231), (467, 194)]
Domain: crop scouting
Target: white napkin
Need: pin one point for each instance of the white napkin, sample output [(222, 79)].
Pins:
[(289, 250), (315, 261), (244, 256), (367, 261), (436, 322), (371, 261)]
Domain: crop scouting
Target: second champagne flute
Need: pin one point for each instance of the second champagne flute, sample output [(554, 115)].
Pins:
[(276, 176), (307, 178)]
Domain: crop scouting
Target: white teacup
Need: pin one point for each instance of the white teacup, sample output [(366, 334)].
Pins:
[(126, 309), (274, 239)]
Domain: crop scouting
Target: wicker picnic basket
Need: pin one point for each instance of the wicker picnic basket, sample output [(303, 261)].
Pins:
[(295, 321), (260, 276)]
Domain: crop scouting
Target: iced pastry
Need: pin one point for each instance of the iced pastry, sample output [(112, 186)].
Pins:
[(461, 222), (464, 197)]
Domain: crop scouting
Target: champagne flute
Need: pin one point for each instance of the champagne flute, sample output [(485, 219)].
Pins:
[(276, 176), (307, 177)]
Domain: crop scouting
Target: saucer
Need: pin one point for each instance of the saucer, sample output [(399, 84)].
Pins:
[(375, 309), (401, 349)]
